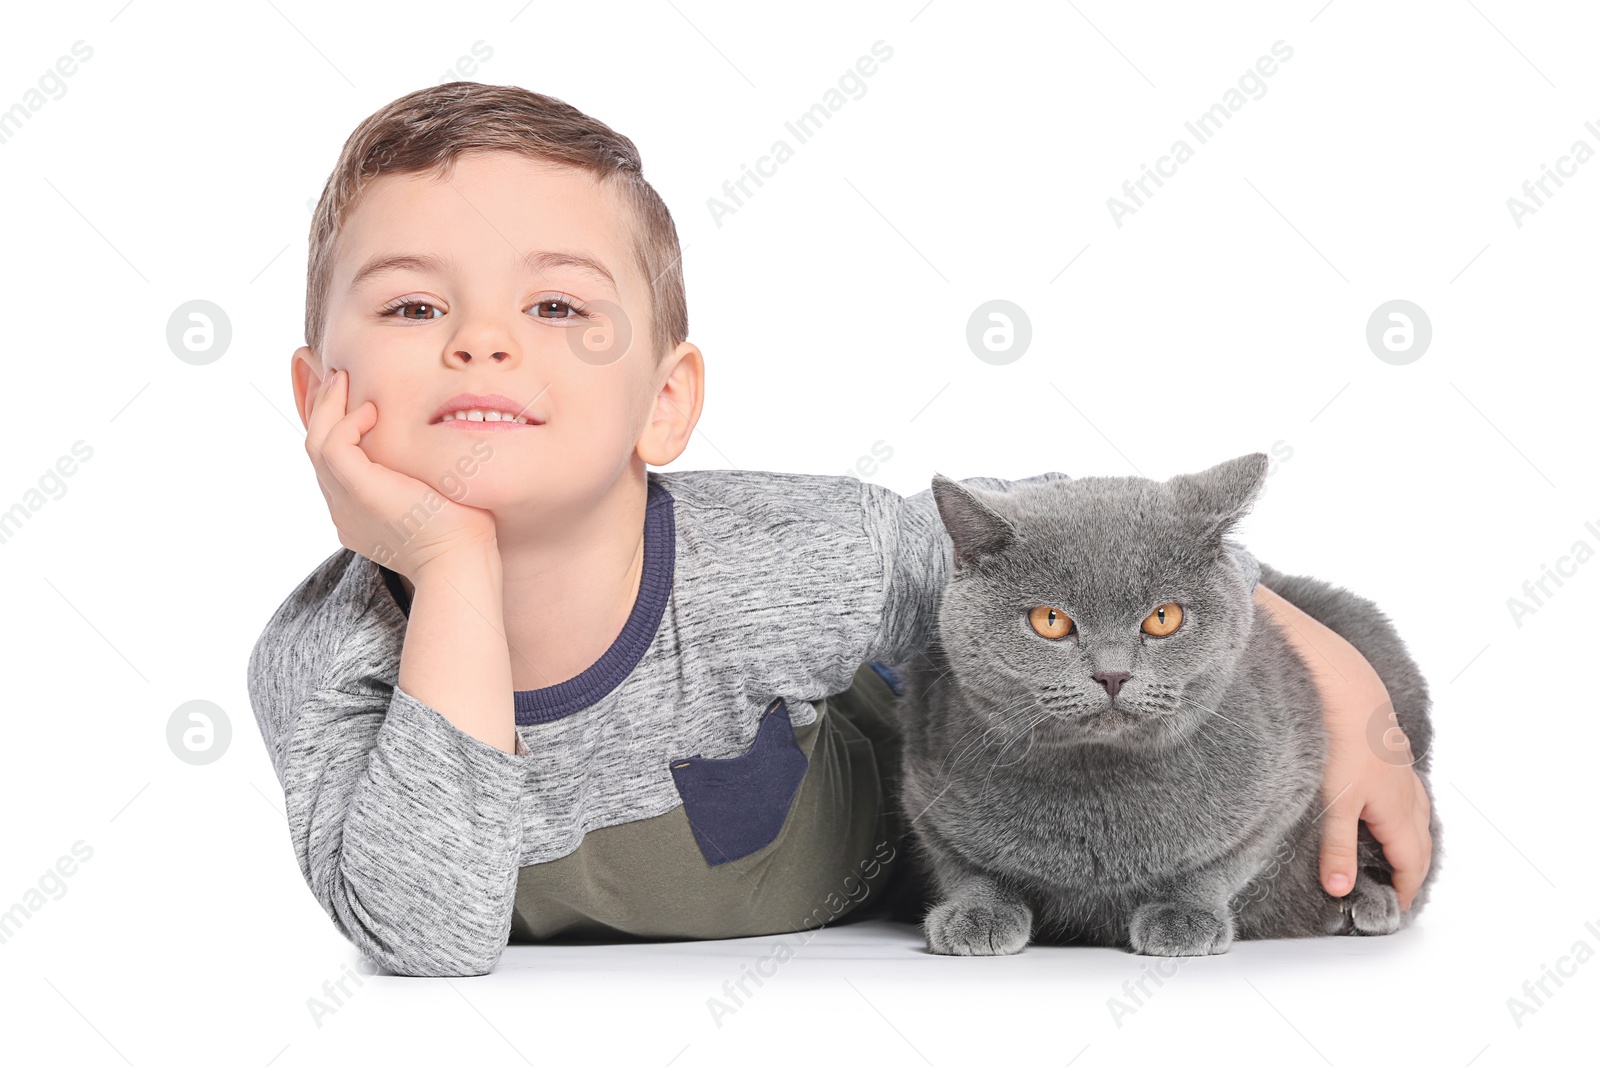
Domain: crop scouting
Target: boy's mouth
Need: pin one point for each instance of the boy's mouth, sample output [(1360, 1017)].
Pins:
[(476, 411)]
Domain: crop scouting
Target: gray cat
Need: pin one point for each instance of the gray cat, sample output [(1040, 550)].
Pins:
[(1107, 743)]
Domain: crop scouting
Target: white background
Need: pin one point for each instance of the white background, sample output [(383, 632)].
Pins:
[(1227, 315)]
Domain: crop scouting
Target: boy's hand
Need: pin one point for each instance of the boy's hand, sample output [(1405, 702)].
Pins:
[(1368, 776), (365, 497), (1361, 783)]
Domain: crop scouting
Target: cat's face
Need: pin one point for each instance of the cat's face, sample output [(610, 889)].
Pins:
[(1098, 608)]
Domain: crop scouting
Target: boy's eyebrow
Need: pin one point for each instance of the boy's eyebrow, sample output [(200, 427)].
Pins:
[(539, 262), (536, 262)]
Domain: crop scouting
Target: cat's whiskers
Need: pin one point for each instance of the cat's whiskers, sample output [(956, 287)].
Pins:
[(957, 748), (1188, 702), (1032, 724), (999, 721), (1185, 743)]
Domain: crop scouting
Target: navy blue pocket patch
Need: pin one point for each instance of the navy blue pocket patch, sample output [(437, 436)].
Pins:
[(737, 805)]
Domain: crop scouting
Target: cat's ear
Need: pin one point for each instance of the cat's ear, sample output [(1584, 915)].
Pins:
[(1219, 496), (975, 528)]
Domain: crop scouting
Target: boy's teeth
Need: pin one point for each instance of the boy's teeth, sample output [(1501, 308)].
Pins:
[(485, 416)]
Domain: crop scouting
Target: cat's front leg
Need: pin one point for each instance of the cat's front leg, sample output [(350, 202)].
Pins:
[(978, 914), (981, 917), (1181, 928), (1373, 907), (1192, 914)]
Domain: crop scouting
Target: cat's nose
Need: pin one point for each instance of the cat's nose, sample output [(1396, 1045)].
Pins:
[(1112, 680)]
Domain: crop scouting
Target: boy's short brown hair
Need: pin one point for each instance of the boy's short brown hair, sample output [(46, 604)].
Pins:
[(425, 131)]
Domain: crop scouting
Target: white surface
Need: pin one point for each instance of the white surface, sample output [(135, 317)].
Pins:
[(1224, 317)]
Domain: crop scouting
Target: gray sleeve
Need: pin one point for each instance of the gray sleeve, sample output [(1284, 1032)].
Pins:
[(408, 830), (914, 552)]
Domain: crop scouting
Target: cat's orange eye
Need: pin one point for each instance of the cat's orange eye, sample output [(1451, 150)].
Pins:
[(1162, 621), (1050, 622)]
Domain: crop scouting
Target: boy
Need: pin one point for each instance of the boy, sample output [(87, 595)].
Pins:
[(542, 690)]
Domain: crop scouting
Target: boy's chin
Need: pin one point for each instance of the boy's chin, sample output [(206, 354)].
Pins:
[(463, 478), (487, 497)]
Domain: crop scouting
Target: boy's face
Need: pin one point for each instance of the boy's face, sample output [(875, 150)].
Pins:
[(563, 335)]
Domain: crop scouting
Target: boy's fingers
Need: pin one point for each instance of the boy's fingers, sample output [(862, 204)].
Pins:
[(341, 451), (345, 435), (1411, 863), (1408, 855), (1339, 835), (1407, 845), (333, 434), (324, 414)]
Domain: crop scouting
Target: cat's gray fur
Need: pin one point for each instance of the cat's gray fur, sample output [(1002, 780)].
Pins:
[(1186, 815)]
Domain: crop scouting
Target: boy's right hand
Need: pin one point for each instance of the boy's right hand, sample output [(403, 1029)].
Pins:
[(365, 498)]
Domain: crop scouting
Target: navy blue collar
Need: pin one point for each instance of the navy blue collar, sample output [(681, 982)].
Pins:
[(617, 662)]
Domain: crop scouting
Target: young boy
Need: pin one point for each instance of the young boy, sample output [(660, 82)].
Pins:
[(542, 690)]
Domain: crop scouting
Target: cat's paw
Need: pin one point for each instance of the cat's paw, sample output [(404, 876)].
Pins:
[(1374, 908), (1166, 929), (973, 928)]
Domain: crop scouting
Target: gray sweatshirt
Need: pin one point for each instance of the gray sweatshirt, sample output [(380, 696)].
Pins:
[(756, 584)]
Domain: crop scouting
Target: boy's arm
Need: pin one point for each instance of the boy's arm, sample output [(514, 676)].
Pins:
[(406, 823), (455, 657), (1358, 783)]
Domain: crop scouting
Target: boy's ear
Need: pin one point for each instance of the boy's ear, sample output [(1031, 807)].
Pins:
[(306, 375), (675, 405)]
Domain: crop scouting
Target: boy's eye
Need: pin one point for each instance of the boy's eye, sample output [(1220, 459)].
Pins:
[(554, 308), (547, 308), (404, 304)]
